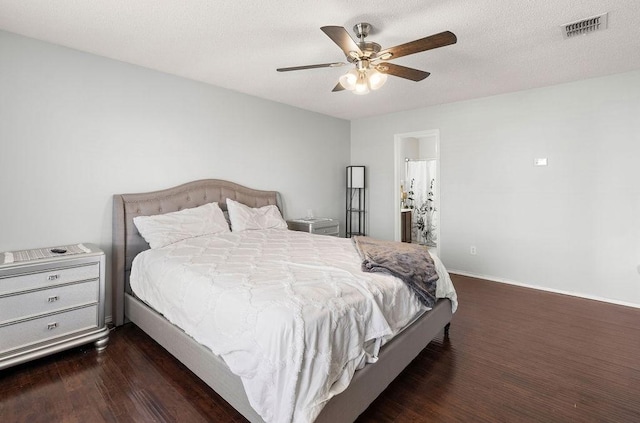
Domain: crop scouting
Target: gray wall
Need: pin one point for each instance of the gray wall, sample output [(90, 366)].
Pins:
[(573, 226), (77, 128)]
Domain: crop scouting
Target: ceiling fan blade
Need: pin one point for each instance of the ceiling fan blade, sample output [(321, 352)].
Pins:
[(402, 71), (321, 65), (337, 88), (427, 43), (341, 37)]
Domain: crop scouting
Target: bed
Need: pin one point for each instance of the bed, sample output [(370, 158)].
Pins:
[(366, 383)]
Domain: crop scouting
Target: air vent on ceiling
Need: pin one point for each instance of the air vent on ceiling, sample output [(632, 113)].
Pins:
[(585, 26)]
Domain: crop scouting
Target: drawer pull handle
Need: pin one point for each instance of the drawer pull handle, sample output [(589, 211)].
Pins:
[(53, 299), (52, 326), (53, 277)]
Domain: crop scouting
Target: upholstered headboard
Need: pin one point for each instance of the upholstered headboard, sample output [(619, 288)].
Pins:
[(127, 242)]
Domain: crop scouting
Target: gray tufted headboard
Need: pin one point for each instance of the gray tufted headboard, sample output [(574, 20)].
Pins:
[(127, 242)]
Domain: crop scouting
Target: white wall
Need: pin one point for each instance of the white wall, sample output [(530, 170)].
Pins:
[(428, 148), (77, 128), (573, 226), (409, 149)]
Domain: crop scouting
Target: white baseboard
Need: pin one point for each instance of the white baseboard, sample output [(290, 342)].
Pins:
[(542, 288)]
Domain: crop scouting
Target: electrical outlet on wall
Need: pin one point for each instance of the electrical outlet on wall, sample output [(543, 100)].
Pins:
[(472, 250)]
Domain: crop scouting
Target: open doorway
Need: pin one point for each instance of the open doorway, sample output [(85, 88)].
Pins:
[(416, 201)]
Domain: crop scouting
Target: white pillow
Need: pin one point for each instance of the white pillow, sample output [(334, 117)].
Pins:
[(245, 218), (165, 229)]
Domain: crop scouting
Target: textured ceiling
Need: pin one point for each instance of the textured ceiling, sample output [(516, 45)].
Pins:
[(503, 45)]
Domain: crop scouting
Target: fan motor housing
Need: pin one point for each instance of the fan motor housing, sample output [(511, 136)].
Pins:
[(369, 48)]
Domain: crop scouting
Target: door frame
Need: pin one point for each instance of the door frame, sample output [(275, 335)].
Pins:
[(398, 170)]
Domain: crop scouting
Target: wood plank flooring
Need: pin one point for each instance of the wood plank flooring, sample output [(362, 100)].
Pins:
[(513, 355)]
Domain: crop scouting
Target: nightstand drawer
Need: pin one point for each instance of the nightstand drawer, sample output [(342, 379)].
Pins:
[(48, 278), (320, 226), (17, 306), (25, 333), (328, 230)]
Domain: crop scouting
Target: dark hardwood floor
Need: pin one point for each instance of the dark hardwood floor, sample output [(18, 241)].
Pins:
[(513, 355)]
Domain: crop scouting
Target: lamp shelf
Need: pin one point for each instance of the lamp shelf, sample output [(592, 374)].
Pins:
[(355, 204)]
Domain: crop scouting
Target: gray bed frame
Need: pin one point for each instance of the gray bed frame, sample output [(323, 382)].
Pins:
[(366, 384)]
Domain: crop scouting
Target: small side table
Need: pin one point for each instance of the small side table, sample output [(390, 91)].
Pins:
[(320, 226)]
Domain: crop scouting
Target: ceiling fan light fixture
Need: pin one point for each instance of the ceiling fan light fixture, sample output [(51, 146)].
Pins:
[(362, 81)]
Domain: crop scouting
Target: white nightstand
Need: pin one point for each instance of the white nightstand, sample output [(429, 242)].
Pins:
[(51, 300), (320, 226)]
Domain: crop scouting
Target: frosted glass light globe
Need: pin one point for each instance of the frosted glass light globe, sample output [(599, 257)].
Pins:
[(349, 79), (376, 79)]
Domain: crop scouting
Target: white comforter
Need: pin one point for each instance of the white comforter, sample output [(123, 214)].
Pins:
[(289, 312)]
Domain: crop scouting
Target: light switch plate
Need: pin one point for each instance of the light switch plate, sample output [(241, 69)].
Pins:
[(540, 161)]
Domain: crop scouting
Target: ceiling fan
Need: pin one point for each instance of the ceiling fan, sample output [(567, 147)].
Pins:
[(371, 62)]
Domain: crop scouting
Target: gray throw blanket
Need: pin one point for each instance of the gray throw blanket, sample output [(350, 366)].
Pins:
[(410, 262)]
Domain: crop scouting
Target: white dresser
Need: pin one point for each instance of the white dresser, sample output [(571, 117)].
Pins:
[(51, 301), (320, 226)]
